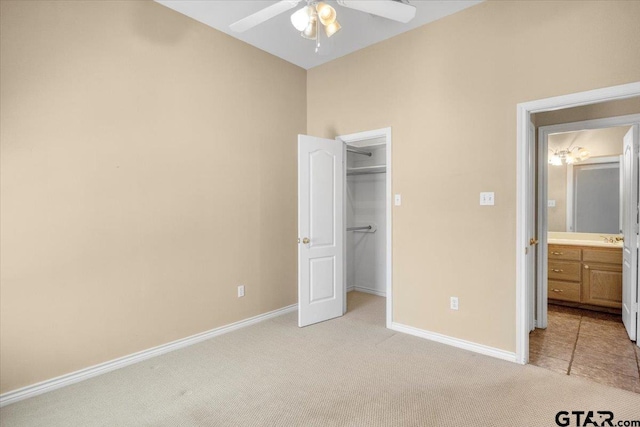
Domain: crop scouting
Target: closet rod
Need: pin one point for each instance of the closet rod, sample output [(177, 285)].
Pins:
[(366, 227), (364, 153)]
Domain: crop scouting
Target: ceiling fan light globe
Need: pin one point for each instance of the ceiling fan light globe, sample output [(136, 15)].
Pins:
[(326, 13), (584, 154), (311, 31), (332, 28), (301, 18)]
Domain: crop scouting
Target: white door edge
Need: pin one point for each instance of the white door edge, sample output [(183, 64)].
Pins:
[(541, 289), (630, 230), (374, 134), (523, 114)]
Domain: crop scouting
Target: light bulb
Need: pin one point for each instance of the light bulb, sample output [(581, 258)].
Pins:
[(300, 18), (326, 13), (570, 159), (311, 31), (555, 160), (583, 154), (332, 28)]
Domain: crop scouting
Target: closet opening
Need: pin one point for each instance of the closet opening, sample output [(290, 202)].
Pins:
[(344, 224), (368, 201)]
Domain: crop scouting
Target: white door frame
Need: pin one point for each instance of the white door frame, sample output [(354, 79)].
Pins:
[(524, 111), (363, 136), (543, 213)]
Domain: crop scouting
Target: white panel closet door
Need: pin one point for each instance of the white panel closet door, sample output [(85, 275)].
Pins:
[(630, 230), (320, 229)]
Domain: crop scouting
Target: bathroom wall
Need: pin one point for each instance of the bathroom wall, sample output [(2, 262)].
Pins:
[(600, 143), (620, 107)]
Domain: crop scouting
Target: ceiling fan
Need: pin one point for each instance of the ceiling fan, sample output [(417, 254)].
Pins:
[(307, 19)]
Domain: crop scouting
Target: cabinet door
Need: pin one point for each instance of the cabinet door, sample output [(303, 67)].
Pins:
[(602, 285)]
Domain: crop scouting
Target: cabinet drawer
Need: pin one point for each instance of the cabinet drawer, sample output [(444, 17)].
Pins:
[(605, 256), (564, 270), (564, 291), (564, 253)]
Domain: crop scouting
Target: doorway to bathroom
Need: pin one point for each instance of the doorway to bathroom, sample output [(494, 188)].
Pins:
[(586, 210), (527, 195), (587, 200)]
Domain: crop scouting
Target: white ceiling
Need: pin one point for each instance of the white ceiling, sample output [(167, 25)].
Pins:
[(278, 37)]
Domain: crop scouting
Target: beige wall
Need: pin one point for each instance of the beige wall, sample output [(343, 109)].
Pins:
[(600, 143), (449, 91), (148, 168)]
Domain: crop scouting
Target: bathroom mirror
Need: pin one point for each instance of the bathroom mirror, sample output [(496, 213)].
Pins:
[(585, 196)]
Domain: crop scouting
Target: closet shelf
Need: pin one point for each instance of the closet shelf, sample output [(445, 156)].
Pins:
[(366, 170)]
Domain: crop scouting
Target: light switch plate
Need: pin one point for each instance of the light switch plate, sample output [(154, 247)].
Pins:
[(487, 198), (397, 199), (551, 203)]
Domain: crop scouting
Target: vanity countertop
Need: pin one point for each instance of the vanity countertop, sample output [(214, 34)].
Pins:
[(597, 243), (583, 239)]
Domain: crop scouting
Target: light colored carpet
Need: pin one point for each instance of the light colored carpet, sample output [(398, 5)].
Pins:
[(349, 371)]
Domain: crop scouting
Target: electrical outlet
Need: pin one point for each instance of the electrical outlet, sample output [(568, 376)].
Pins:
[(397, 200), (551, 203), (454, 303), (240, 291)]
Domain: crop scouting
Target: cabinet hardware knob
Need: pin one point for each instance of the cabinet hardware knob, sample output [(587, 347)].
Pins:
[(557, 253), (557, 290), (586, 267), (557, 270), (305, 240)]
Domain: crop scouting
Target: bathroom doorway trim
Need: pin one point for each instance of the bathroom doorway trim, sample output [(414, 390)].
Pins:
[(525, 173)]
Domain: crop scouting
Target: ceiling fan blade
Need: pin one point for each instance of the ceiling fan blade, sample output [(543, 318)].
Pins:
[(263, 15), (386, 8)]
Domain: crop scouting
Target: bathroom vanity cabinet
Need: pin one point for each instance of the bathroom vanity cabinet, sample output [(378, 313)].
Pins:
[(585, 275)]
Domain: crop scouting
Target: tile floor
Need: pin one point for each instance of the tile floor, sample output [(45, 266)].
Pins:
[(587, 344)]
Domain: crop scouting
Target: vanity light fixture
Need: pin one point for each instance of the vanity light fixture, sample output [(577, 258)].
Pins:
[(568, 156)]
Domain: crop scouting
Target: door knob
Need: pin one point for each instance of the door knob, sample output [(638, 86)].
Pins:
[(305, 240), (533, 241)]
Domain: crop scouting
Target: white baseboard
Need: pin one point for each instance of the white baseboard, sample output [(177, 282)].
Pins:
[(456, 342), (102, 368), (370, 291), (351, 288)]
